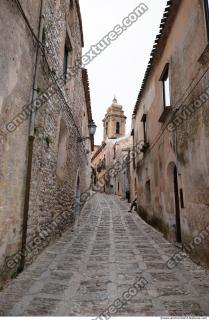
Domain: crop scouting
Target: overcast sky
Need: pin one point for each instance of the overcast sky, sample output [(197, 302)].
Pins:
[(119, 70)]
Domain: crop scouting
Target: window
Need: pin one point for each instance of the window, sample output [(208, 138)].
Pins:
[(117, 128), (134, 158), (148, 192), (67, 57), (145, 131), (71, 4), (146, 143), (65, 65), (144, 121), (106, 128), (104, 163), (43, 40), (114, 152), (182, 198), (166, 87), (206, 2), (166, 94)]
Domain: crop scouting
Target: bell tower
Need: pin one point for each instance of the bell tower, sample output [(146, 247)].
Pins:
[(114, 121)]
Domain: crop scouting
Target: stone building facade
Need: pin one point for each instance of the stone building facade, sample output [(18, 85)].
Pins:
[(44, 160), (99, 166), (121, 159), (171, 117)]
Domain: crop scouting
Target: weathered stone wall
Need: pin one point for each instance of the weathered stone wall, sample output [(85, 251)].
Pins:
[(17, 53), (60, 164), (186, 147)]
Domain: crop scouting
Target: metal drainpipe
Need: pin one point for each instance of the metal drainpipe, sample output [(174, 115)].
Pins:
[(30, 144)]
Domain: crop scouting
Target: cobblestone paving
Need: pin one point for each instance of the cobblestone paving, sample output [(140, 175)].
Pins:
[(84, 272)]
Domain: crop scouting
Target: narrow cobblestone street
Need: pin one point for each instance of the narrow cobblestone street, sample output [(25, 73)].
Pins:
[(85, 271)]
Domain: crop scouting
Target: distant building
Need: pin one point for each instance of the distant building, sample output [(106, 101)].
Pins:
[(114, 121), (121, 161), (112, 152)]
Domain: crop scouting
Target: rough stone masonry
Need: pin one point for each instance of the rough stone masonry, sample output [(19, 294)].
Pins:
[(59, 167)]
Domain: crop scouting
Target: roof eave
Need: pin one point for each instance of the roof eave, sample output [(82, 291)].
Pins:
[(169, 16)]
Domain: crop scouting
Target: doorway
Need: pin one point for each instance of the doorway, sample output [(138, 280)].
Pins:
[(177, 206)]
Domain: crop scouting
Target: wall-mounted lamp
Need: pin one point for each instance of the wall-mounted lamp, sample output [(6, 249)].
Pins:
[(92, 130)]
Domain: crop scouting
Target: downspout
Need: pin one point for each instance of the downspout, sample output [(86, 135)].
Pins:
[(30, 143)]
